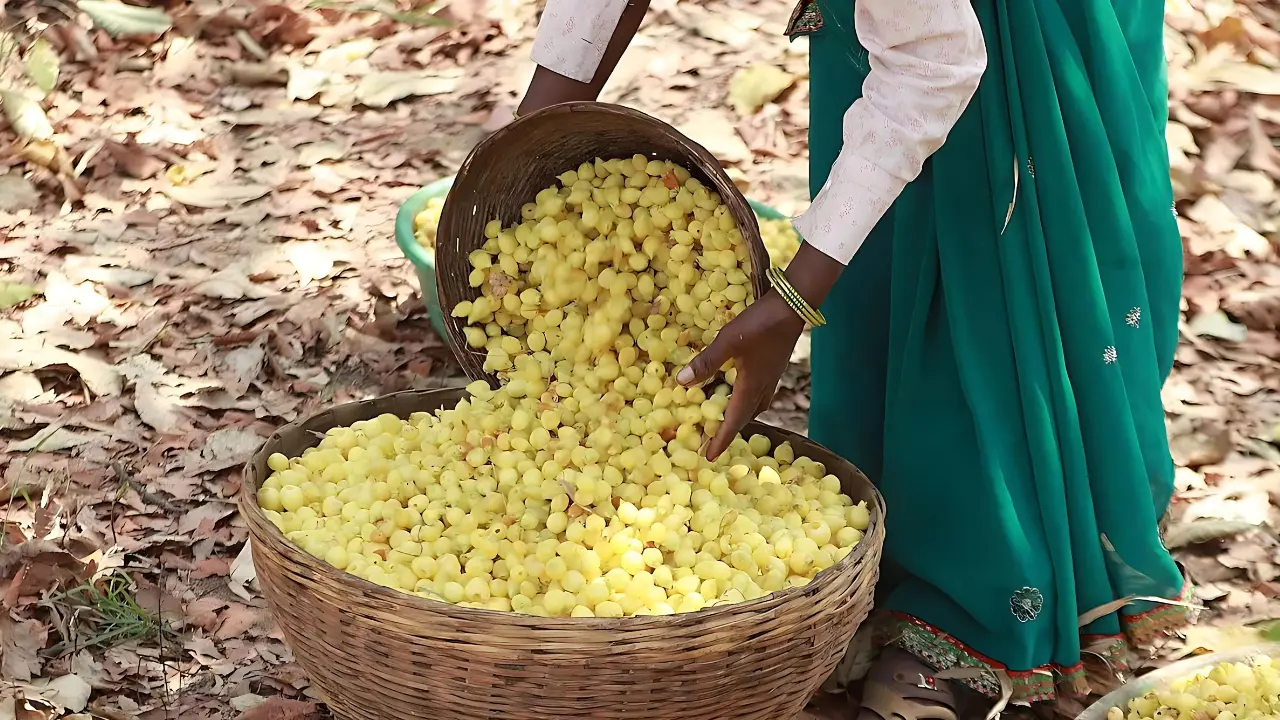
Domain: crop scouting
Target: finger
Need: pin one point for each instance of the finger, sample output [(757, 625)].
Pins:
[(742, 403), (706, 363)]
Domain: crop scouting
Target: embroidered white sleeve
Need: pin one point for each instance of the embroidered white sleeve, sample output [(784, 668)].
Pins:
[(573, 34), (927, 57)]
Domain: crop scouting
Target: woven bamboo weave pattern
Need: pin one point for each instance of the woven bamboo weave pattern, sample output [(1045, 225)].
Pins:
[(378, 654), (515, 163)]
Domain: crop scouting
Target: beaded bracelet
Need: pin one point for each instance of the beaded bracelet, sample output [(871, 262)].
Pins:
[(809, 314)]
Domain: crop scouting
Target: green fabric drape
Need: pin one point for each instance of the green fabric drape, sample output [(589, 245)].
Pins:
[(997, 372)]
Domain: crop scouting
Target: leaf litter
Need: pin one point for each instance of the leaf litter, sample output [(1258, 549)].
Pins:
[(197, 247)]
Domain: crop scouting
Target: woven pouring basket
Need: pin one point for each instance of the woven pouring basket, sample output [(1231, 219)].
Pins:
[(510, 167), (379, 654)]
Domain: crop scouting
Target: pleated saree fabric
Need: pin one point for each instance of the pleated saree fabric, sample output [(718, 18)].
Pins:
[(995, 350)]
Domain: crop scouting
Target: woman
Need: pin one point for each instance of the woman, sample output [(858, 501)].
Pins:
[(1002, 317)]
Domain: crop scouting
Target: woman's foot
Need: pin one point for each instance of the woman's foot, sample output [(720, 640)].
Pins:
[(900, 687)]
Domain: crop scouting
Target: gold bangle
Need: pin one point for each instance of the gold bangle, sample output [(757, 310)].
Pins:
[(803, 309), (809, 314), (797, 303)]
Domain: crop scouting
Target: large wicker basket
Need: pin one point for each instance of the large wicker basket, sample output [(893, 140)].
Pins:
[(510, 167), (378, 654)]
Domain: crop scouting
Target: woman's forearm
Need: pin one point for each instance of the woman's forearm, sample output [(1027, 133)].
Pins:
[(927, 57), (813, 273), (550, 87)]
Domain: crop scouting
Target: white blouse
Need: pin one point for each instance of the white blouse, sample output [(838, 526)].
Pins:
[(926, 58)]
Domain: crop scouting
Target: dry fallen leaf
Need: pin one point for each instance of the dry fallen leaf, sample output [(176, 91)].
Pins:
[(25, 115), (1218, 639), (204, 517), (712, 130), (236, 620), (1200, 531), (278, 708), (224, 448), (135, 160), (274, 115), (318, 152), (52, 439), (1247, 77), (1257, 310), (1236, 238), (20, 644), (216, 194), (313, 261), (277, 24), (17, 193), (241, 703), (42, 64), (752, 87), (155, 409), (230, 284), (158, 602), (69, 692), (242, 367), (13, 293), (380, 89), (120, 20), (203, 612), (1217, 324), (339, 58), (734, 28), (243, 573), (34, 353), (83, 664)]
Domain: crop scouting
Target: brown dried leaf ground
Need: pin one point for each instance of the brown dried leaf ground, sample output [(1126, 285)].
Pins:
[(214, 257)]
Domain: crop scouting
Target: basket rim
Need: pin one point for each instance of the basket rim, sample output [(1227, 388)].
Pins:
[(437, 188), (706, 164), (418, 255), (259, 525)]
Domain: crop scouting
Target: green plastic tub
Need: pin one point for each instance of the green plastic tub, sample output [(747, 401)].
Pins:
[(764, 211), (424, 260)]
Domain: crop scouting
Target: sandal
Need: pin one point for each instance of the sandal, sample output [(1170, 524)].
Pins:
[(900, 687)]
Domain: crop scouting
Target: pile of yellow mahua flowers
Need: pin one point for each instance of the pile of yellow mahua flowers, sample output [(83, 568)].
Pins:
[(1227, 691), (577, 488), (427, 221), (780, 238)]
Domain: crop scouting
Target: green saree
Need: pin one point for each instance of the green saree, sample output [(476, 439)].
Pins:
[(995, 351)]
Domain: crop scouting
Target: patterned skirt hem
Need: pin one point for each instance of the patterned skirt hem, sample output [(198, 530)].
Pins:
[(1047, 682)]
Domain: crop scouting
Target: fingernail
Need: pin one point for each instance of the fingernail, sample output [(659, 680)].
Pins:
[(685, 376)]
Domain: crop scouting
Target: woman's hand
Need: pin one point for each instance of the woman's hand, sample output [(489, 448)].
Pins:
[(759, 341)]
